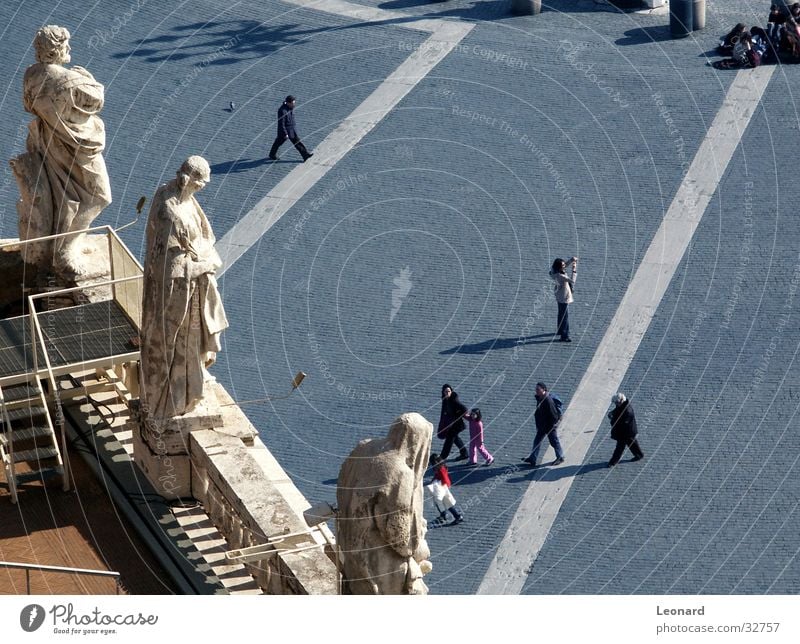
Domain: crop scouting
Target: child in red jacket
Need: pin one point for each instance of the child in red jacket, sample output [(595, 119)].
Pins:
[(440, 490)]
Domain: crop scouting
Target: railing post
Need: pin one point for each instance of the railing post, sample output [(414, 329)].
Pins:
[(28, 580)]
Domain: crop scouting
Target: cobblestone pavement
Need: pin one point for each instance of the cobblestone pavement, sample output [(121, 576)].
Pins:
[(421, 258)]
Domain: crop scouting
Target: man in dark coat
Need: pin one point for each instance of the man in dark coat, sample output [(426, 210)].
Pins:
[(623, 429), (546, 417), (286, 130)]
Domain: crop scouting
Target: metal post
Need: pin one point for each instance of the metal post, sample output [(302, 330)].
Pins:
[(28, 580)]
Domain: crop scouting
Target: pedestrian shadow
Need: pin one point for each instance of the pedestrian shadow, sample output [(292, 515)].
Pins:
[(500, 343), (555, 473), (466, 474), (239, 165)]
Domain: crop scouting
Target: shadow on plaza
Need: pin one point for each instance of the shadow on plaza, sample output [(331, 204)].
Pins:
[(645, 35), (501, 9), (500, 343), (216, 43), (238, 165), (546, 472)]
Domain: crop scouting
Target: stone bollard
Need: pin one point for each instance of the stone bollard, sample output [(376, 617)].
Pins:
[(526, 7), (680, 18), (699, 15)]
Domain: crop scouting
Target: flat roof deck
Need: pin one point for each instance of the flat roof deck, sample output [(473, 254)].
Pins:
[(74, 336), (78, 529)]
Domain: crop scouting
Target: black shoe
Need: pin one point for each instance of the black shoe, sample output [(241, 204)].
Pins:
[(611, 465), (558, 461), (529, 461), (637, 458), (272, 158), (463, 456), (458, 520), (307, 157), (566, 339)]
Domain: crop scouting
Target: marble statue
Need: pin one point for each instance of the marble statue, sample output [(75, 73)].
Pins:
[(182, 314), (380, 527), (62, 176)]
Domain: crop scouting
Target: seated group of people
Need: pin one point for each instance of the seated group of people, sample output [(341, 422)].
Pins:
[(779, 42)]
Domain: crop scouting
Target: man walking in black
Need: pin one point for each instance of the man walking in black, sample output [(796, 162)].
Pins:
[(286, 130), (546, 417), (623, 429)]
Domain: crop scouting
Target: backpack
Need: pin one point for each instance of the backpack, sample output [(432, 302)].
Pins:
[(559, 405)]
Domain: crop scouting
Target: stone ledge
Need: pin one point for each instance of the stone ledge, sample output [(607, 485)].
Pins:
[(248, 507)]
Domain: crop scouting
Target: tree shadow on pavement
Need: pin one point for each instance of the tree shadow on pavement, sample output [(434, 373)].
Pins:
[(218, 43)]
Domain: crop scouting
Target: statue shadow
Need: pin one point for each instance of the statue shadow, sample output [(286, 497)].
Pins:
[(546, 472), (217, 43), (227, 42), (500, 343)]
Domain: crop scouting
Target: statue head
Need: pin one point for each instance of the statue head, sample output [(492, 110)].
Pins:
[(52, 45), (194, 174)]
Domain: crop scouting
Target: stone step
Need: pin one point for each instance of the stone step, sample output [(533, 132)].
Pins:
[(37, 453)]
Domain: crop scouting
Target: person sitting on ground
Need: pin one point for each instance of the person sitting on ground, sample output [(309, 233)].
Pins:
[(748, 49)]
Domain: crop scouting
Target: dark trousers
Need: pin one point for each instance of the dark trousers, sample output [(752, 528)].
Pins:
[(563, 320), (455, 511), (632, 444), (281, 139), (448, 445), (552, 436)]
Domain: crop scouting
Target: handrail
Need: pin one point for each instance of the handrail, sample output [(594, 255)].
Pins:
[(22, 242), (113, 233), (12, 482), (53, 385), (80, 571), (61, 291)]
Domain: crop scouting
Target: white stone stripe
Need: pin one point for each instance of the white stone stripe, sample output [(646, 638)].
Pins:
[(250, 228), (586, 411)]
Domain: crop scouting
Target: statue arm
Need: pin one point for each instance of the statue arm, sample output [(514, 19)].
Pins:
[(88, 96)]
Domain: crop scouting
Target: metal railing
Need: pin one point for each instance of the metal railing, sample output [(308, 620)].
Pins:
[(126, 287), (79, 571)]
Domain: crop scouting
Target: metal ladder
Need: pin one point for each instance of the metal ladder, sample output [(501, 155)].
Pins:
[(27, 436)]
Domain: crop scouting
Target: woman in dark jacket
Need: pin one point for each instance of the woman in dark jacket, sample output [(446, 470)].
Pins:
[(623, 429), (451, 423)]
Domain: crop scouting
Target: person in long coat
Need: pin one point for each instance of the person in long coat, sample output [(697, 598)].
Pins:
[(288, 130), (182, 314), (623, 429), (451, 424)]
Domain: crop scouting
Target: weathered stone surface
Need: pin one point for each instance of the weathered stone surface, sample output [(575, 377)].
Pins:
[(380, 527), (62, 176), (182, 314), (249, 509), (169, 473)]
